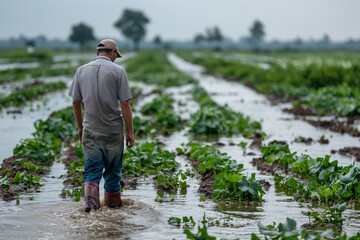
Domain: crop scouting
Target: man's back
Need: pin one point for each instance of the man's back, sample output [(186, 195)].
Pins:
[(101, 85)]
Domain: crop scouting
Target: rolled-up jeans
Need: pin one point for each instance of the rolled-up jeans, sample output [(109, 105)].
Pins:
[(103, 151)]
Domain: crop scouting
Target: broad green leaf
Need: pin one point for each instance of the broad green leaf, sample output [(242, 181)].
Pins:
[(17, 178)]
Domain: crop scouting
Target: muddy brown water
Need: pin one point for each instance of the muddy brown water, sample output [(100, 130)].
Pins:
[(50, 217)]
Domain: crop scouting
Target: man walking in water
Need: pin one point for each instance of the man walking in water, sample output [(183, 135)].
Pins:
[(102, 86)]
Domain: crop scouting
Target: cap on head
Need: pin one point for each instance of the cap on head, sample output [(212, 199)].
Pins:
[(109, 44)]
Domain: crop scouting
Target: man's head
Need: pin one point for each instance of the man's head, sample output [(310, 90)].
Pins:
[(108, 48)]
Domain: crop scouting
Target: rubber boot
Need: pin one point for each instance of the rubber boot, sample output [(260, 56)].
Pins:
[(113, 200), (91, 194)]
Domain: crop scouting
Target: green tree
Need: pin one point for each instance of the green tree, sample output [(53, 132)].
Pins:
[(214, 34), (257, 33), (82, 34), (157, 40), (30, 43), (132, 26), (199, 38)]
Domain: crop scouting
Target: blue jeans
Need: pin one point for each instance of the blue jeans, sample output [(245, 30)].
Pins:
[(103, 151)]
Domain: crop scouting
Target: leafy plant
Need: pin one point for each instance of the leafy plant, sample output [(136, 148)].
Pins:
[(148, 158), (34, 148), (328, 181), (229, 183), (213, 119), (26, 178), (332, 215), (201, 234)]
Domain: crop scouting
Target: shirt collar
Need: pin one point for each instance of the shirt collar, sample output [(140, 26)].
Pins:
[(102, 57)]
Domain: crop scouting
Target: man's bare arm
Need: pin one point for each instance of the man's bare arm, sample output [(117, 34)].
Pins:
[(127, 114), (78, 117)]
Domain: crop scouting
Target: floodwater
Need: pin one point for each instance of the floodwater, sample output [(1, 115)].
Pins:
[(50, 217)]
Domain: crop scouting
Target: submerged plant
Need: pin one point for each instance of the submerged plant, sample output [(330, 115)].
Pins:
[(331, 217)]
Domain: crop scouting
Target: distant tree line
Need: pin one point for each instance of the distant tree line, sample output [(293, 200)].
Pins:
[(132, 25)]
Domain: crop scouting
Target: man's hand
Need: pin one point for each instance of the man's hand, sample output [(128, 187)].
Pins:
[(78, 117), (130, 140), (80, 131), (127, 114)]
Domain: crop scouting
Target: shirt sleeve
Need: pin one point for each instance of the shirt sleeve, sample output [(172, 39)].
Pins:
[(74, 90), (124, 93)]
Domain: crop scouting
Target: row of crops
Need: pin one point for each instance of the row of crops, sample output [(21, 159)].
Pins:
[(327, 88), (221, 177)]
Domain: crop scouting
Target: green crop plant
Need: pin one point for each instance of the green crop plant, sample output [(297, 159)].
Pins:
[(34, 148), (26, 179), (66, 115), (170, 182), (332, 216), (4, 181), (213, 119), (186, 221), (163, 102), (148, 158), (229, 182), (201, 234), (30, 166), (143, 127), (327, 181), (53, 129), (289, 231), (76, 193), (217, 120), (168, 120), (161, 109)]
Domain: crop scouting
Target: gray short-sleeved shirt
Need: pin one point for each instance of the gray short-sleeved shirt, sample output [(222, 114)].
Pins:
[(101, 85)]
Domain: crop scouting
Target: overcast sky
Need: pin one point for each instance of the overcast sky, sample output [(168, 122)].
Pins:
[(182, 19)]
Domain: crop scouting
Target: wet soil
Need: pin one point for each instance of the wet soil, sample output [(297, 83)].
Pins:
[(9, 193), (264, 167), (256, 143), (218, 144), (349, 151), (29, 85), (207, 179), (278, 142), (335, 126), (323, 141), (14, 111), (300, 111), (307, 141)]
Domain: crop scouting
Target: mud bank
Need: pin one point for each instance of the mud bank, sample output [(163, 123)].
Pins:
[(14, 167)]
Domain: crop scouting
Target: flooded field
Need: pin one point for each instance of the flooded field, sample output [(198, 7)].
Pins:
[(46, 215)]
